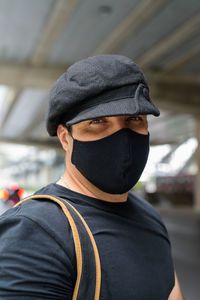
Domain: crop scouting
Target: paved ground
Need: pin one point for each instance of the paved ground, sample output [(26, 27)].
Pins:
[(184, 230)]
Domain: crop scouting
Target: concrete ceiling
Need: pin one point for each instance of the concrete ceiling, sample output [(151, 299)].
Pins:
[(41, 38)]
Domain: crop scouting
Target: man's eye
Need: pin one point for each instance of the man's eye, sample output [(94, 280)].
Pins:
[(96, 121), (134, 118)]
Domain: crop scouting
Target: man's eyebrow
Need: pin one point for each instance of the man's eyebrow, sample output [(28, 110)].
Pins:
[(136, 115)]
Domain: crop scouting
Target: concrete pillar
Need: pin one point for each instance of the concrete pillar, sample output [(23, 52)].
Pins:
[(197, 181)]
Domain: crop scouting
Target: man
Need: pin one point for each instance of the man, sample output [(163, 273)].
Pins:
[(98, 109)]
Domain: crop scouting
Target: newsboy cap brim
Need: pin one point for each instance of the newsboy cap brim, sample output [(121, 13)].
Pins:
[(133, 100), (98, 86)]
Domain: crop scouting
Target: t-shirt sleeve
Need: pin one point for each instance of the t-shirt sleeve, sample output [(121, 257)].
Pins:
[(32, 264)]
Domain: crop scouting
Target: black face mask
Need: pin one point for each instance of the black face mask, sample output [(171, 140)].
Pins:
[(115, 163)]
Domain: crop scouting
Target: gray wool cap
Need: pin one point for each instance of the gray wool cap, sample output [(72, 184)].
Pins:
[(98, 86)]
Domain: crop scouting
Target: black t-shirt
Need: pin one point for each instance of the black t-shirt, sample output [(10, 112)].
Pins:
[(37, 256)]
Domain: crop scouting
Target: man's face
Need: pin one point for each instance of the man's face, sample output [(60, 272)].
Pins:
[(91, 130), (98, 128)]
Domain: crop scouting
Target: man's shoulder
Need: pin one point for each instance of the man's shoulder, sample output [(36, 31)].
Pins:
[(36, 236), (44, 214), (143, 205), (147, 212), (41, 208)]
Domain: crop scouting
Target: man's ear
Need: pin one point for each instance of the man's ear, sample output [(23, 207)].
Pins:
[(63, 136)]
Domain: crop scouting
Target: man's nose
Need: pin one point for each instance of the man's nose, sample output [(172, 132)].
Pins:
[(120, 123)]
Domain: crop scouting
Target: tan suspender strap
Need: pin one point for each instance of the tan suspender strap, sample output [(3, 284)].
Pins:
[(77, 242), (96, 253)]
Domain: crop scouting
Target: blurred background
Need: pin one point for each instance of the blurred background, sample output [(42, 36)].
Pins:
[(40, 39)]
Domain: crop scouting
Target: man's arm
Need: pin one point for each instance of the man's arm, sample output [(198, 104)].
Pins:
[(176, 292), (33, 266)]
